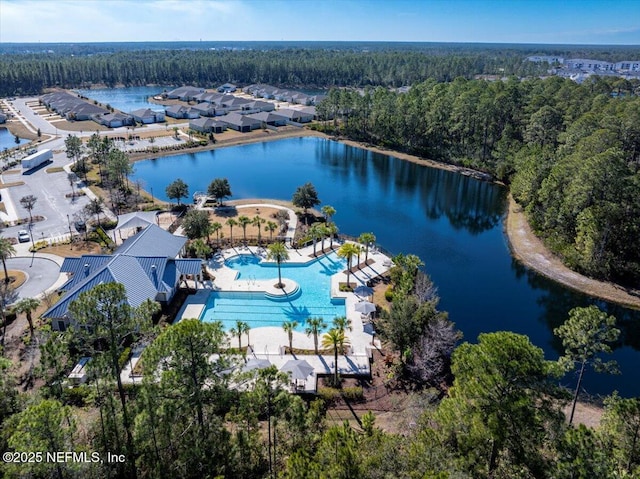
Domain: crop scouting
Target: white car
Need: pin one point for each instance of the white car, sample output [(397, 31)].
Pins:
[(23, 236)]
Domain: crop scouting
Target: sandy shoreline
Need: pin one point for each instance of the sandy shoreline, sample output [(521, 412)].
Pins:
[(524, 245), (529, 250)]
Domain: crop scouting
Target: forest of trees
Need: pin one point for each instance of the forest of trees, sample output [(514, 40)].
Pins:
[(492, 409), (570, 152), (196, 413), (29, 74)]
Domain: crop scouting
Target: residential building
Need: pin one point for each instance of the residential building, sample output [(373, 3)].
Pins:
[(256, 106), (181, 112), (227, 88), (204, 109), (588, 65), (147, 116), (296, 116), (241, 123), (628, 66), (71, 107), (113, 120), (268, 118), (185, 93), (550, 59), (207, 125)]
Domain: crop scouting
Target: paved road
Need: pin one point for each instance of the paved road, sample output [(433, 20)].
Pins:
[(51, 188), (42, 273)]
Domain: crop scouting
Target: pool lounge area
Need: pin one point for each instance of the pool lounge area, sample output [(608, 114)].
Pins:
[(240, 284)]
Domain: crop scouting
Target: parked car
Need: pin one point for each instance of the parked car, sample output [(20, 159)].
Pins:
[(80, 225), (23, 236)]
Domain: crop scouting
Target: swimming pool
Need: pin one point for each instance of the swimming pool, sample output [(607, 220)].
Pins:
[(312, 299)]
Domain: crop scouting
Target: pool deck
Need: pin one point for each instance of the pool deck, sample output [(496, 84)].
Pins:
[(269, 342)]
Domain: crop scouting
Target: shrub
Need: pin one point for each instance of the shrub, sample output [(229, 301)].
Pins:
[(328, 394), (331, 381), (38, 246), (124, 357), (153, 207), (76, 396), (108, 224), (344, 287), (353, 393), (388, 294)]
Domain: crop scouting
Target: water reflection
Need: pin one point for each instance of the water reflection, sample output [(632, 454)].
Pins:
[(468, 204), (452, 222), (556, 302)]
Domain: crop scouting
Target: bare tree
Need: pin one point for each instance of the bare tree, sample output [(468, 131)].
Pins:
[(28, 202), (424, 288), (432, 355), (72, 182)]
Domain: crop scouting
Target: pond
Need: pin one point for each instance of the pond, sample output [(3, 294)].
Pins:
[(8, 139), (126, 99), (452, 222)]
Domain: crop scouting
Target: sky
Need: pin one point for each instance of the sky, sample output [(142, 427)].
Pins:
[(477, 21)]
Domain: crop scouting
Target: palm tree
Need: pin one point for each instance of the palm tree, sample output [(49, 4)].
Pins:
[(94, 207), (278, 253), (314, 326), (328, 211), (324, 231), (314, 232), (6, 251), (244, 222), (239, 330), (215, 228), (335, 338), (289, 327), (348, 251), (333, 230), (27, 306), (271, 227), (201, 248), (366, 239), (231, 223), (341, 323), (257, 221)]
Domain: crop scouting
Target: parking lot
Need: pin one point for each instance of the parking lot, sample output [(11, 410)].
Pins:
[(50, 184)]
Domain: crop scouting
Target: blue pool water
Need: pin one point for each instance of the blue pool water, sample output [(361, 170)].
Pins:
[(452, 222), (313, 299)]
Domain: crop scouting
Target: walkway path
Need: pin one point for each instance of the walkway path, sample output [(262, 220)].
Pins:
[(530, 250), (269, 342)]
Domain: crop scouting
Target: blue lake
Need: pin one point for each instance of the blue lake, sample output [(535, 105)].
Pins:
[(452, 222), (8, 140), (126, 99)]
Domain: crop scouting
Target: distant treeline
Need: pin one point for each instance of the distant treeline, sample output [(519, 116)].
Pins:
[(28, 74), (27, 69), (610, 53), (570, 152)]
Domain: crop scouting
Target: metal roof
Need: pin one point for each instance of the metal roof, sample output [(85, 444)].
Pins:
[(155, 270), (152, 241)]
